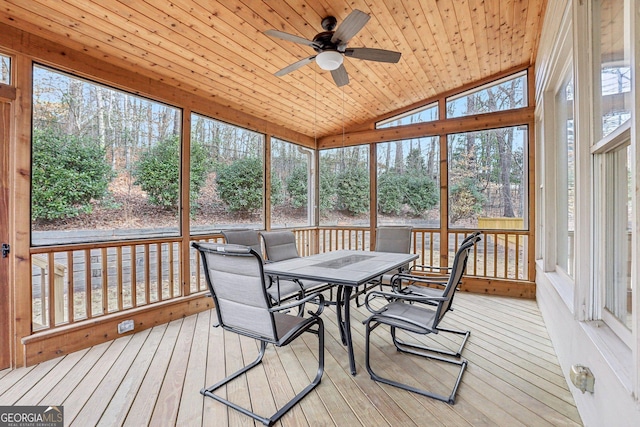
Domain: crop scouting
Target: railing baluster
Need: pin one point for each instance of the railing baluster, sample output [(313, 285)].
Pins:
[(87, 283), (159, 269), (105, 281), (134, 276), (119, 277), (70, 286)]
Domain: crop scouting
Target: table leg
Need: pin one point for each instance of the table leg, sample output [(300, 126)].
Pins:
[(344, 322)]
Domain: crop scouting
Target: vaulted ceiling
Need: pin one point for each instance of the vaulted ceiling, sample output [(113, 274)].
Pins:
[(218, 49)]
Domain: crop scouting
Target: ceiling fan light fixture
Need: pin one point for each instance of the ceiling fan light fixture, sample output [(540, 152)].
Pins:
[(329, 60)]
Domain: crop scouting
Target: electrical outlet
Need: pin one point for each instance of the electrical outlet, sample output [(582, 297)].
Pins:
[(125, 326)]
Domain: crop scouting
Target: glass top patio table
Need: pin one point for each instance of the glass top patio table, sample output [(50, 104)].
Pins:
[(346, 269)]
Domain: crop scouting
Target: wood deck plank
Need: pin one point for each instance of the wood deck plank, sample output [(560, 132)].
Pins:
[(141, 411), (129, 384), (87, 402), (192, 402), (168, 399), (154, 377)]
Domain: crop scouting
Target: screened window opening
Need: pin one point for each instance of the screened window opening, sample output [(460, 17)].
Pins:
[(291, 184), (227, 176), (409, 182), (5, 69), (507, 94), (487, 187), (428, 113), (344, 186), (105, 163)]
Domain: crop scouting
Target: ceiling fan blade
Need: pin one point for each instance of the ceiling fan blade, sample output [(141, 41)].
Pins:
[(350, 27), (290, 37), (295, 66), (340, 76), (379, 55)]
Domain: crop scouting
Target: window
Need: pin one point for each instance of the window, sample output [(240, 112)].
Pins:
[(105, 163), (487, 187), (611, 151), (227, 190), (409, 182), (291, 184), (618, 212), (505, 94), (428, 113), (612, 75), (344, 186), (5, 69), (565, 177)]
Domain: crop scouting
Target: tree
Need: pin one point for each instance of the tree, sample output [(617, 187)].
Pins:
[(68, 173)]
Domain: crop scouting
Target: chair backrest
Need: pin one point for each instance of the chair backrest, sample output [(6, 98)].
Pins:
[(457, 270), (280, 245), (395, 239), (235, 278), (244, 237)]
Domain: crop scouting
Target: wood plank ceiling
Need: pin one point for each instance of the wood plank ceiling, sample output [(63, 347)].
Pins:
[(217, 49)]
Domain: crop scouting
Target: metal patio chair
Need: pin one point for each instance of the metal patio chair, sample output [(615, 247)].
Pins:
[(236, 280), (396, 239), (279, 291), (280, 246), (414, 314)]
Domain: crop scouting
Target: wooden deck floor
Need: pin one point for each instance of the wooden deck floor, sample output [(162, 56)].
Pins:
[(153, 377)]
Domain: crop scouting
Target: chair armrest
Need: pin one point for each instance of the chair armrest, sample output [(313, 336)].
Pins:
[(429, 267), (396, 296), (397, 280), (299, 302)]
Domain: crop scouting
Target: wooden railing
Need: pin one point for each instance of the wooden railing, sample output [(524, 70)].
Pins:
[(73, 283), (91, 280), (499, 255)]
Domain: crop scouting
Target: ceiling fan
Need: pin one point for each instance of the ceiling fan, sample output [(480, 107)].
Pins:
[(332, 47)]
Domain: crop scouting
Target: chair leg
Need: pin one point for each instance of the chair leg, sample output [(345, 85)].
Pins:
[(275, 417), (448, 399), (406, 347)]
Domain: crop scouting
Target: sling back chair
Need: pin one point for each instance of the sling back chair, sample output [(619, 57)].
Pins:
[(280, 246), (415, 314), (441, 276), (278, 290), (236, 280), (396, 239), (420, 284)]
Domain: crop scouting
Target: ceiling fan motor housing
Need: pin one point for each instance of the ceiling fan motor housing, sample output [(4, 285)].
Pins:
[(329, 23)]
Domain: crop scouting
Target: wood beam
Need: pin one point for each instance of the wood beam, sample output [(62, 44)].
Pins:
[(520, 116)]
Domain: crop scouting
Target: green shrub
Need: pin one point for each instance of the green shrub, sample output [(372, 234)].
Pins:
[(297, 186), (240, 185), (68, 172), (421, 193), (353, 190), (391, 192), (328, 196), (158, 172), (277, 190)]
